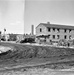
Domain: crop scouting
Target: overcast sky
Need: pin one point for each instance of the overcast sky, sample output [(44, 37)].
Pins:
[(17, 16)]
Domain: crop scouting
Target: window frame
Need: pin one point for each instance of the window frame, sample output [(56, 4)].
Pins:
[(65, 30), (53, 29), (58, 36), (70, 36), (53, 36), (65, 36), (58, 29), (70, 30), (49, 29), (40, 29)]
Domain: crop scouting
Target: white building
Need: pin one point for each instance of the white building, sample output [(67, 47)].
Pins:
[(54, 32)]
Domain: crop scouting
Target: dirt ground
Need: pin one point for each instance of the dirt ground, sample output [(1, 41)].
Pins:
[(38, 71), (60, 61)]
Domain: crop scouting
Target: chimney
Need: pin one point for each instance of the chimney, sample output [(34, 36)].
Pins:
[(32, 29), (48, 22)]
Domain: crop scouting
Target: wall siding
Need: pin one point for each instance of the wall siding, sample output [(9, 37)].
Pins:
[(51, 33)]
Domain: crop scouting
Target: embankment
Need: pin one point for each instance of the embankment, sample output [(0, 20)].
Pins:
[(28, 51)]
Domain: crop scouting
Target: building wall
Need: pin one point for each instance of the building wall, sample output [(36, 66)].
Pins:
[(61, 33), (44, 32)]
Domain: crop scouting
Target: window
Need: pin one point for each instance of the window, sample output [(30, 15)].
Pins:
[(65, 37), (48, 29), (40, 30), (69, 30), (48, 36), (53, 36), (58, 36), (70, 37), (58, 30), (65, 30), (53, 29)]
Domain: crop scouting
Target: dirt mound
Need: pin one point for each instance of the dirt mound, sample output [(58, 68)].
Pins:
[(28, 51)]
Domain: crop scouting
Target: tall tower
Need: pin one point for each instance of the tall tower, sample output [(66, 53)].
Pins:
[(32, 29), (24, 18)]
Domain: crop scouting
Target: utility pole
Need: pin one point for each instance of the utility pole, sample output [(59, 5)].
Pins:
[(4, 31), (0, 36)]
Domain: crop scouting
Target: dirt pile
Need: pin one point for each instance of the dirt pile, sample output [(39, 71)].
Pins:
[(28, 51)]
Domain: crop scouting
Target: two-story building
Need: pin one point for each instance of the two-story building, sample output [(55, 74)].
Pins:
[(54, 32)]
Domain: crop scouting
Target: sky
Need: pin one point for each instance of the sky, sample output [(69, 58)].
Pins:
[(17, 16), (12, 16)]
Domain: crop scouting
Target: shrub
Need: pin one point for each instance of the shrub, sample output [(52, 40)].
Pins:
[(28, 40), (63, 42)]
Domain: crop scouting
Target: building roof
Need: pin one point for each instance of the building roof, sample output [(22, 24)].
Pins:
[(57, 26)]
